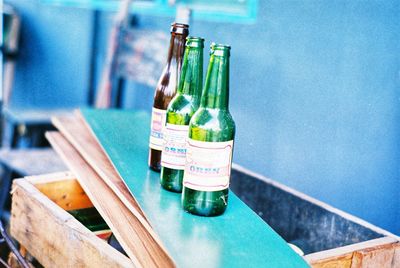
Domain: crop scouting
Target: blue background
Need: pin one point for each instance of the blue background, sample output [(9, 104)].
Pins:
[(314, 91)]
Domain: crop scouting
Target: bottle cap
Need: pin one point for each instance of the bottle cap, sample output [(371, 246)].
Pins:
[(194, 42), (179, 28), (220, 49)]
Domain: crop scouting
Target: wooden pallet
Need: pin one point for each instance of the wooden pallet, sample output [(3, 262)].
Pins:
[(40, 222)]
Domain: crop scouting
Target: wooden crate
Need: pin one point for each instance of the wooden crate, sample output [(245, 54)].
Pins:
[(40, 223), (328, 236)]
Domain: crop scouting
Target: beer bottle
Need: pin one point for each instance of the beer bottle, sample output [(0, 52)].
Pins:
[(165, 91), (180, 110), (210, 142)]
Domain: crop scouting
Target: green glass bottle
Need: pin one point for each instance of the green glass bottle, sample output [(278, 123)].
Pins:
[(210, 142), (180, 111), (90, 218)]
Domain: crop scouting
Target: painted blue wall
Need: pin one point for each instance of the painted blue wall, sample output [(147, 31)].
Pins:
[(314, 93), (53, 66)]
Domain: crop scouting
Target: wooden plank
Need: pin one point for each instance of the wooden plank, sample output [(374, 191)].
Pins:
[(50, 177), (238, 238), (379, 256), (131, 230), (63, 189), (344, 256), (74, 129), (396, 256), (343, 261), (53, 236)]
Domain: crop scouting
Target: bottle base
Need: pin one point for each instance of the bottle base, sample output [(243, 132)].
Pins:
[(203, 212), (171, 179), (155, 168), (169, 188), (154, 160), (208, 204)]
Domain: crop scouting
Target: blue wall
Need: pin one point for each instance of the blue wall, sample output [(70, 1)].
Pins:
[(314, 93), (53, 65)]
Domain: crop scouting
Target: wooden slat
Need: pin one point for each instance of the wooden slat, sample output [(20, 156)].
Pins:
[(55, 237), (75, 130), (379, 256), (396, 256), (50, 177), (341, 261), (131, 230), (352, 256)]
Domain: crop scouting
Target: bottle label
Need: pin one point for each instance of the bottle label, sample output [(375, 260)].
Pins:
[(158, 118), (208, 165), (174, 149)]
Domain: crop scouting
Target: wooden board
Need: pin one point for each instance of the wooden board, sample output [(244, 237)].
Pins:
[(131, 230), (238, 238), (373, 253), (74, 129), (379, 256), (52, 235)]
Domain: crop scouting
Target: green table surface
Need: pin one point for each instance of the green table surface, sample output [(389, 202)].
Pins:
[(238, 238)]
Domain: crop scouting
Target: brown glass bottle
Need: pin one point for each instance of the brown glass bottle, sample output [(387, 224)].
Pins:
[(165, 91)]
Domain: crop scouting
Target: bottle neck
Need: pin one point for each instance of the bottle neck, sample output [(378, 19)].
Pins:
[(175, 53), (216, 90), (191, 81)]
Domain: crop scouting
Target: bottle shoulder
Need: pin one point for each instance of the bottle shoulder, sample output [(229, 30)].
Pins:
[(165, 89), (183, 104), (181, 109), (212, 125), (220, 115)]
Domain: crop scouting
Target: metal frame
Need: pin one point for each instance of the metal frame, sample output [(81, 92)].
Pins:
[(4, 237)]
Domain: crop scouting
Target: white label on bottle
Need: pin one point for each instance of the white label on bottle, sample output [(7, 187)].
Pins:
[(158, 118), (174, 148), (208, 165)]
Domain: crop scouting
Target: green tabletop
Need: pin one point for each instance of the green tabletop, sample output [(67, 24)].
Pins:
[(238, 238)]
